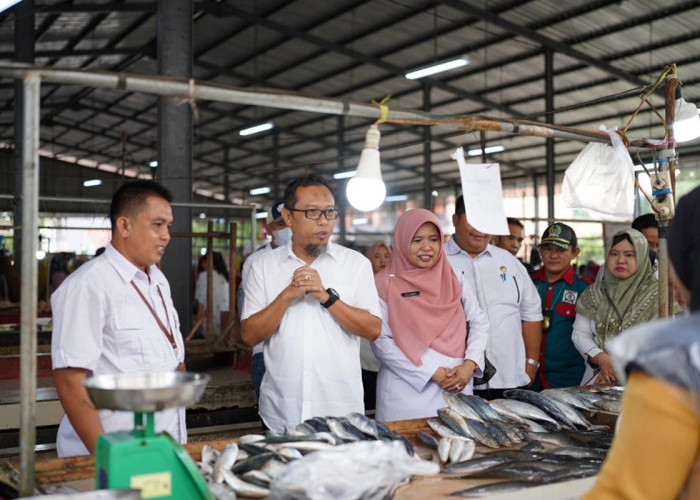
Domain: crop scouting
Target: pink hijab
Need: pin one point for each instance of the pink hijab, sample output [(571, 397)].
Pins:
[(434, 318)]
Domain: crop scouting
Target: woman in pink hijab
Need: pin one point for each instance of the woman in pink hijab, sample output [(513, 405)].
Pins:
[(423, 348)]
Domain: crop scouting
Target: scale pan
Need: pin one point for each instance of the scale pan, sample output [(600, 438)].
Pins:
[(146, 391)]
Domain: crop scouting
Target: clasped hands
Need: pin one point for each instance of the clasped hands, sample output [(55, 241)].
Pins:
[(306, 280), (454, 379)]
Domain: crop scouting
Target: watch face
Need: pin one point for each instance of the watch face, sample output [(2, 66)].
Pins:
[(333, 293)]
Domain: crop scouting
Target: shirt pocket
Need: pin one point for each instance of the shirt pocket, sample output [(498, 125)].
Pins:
[(566, 310), (130, 324)]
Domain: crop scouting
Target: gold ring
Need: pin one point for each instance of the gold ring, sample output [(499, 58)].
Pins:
[(307, 277)]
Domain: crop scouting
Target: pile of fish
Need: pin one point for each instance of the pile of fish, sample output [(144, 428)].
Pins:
[(247, 468), (530, 422)]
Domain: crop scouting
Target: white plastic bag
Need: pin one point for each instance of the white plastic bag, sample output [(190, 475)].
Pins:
[(601, 179), (361, 470)]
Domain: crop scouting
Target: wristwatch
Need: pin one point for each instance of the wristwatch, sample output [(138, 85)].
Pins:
[(533, 362), (332, 298)]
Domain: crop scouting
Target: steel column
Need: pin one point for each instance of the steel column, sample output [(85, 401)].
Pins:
[(28, 311), (175, 145), (340, 197), (549, 108), (427, 154), (24, 52), (276, 166)]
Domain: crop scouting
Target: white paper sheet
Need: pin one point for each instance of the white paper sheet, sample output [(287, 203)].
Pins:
[(483, 195)]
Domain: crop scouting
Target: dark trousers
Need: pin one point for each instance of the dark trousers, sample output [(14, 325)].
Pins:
[(369, 384), (257, 372)]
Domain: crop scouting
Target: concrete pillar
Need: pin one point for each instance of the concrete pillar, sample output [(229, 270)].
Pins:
[(24, 52), (175, 147)]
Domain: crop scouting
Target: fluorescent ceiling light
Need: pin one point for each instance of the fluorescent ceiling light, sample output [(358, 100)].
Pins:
[(489, 150), (202, 215), (360, 221), (438, 68), (153, 163), (256, 129), (345, 175), (261, 215), (6, 4), (397, 197), (92, 182), (260, 190)]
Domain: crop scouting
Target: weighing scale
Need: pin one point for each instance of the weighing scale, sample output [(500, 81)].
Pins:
[(141, 459)]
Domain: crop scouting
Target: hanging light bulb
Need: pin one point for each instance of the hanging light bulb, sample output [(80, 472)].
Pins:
[(686, 124), (366, 191)]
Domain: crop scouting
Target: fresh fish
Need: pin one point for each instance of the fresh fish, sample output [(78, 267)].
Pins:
[(481, 433), (456, 449), (338, 430), (352, 429), (578, 452), (290, 453), (364, 424), (304, 445), (244, 488), (253, 462), (498, 433), (533, 446), (555, 438), (481, 406), (551, 406), (440, 429), (257, 477), (568, 397), (537, 427), (516, 434), (520, 471), (427, 439), (490, 489), (221, 492), (468, 467), (225, 461), (251, 438), (305, 428), (319, 424), (254, 448), (570, 473), (205, 469), (444, 447), (455, 421), (384, 431), (572, 414), (461, 407), (523, 409), (272, 468), (292, 438), (209, 454), (610, 406), (406, 443)]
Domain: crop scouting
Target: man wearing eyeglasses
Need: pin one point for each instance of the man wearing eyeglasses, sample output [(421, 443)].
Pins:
[(310, 301)]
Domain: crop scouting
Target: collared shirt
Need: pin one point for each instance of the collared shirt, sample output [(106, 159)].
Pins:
[(312, 364), (507, 294), (404, 390), (560, 361), (101, 324), (257, 348), (220, 289)]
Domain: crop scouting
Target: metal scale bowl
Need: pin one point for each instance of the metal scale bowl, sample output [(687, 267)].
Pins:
[(141, 459)]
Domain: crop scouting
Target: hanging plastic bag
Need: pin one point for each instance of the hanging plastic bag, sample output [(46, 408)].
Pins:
[(362, 470), (601, 179)]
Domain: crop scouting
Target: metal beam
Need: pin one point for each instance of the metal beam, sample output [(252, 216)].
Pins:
[(175, 144), (549, 109), (546, 42)]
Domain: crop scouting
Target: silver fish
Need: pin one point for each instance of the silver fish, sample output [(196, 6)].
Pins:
[(525, 410), (568, 397), (225, 461), (481, 406), (205, 469), (251, 438), (456, 403), (209, 454), (338, 430), (257, 477), (481, 433), (364, 424), (440, 429), (455, 421), (427, 439), (443, 450), (489, 489), (272, 468), (221, 492), (534, 426), (244, 488), (456, 449)]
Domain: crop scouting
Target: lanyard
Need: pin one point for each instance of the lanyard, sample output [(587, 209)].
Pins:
[(168, 334)]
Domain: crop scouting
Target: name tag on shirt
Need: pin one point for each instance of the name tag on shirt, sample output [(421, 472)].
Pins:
[(569, 297), (411, 294)]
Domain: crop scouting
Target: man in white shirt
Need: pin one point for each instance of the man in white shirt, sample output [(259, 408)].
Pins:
[(310, 302), (115, 315), (507, 294), (281, 235)]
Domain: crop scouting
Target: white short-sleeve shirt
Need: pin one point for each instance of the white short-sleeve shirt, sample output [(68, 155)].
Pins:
[(507, 294), (257, 348), (102, 325), (312, 364), (220, 297)]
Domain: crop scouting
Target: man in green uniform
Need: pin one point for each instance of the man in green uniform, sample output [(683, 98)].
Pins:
[(559, 287)]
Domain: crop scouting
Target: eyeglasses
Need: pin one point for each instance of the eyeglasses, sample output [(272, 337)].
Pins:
[(315, 213)]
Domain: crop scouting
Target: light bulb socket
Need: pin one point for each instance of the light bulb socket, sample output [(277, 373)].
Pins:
[(372, 137)]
